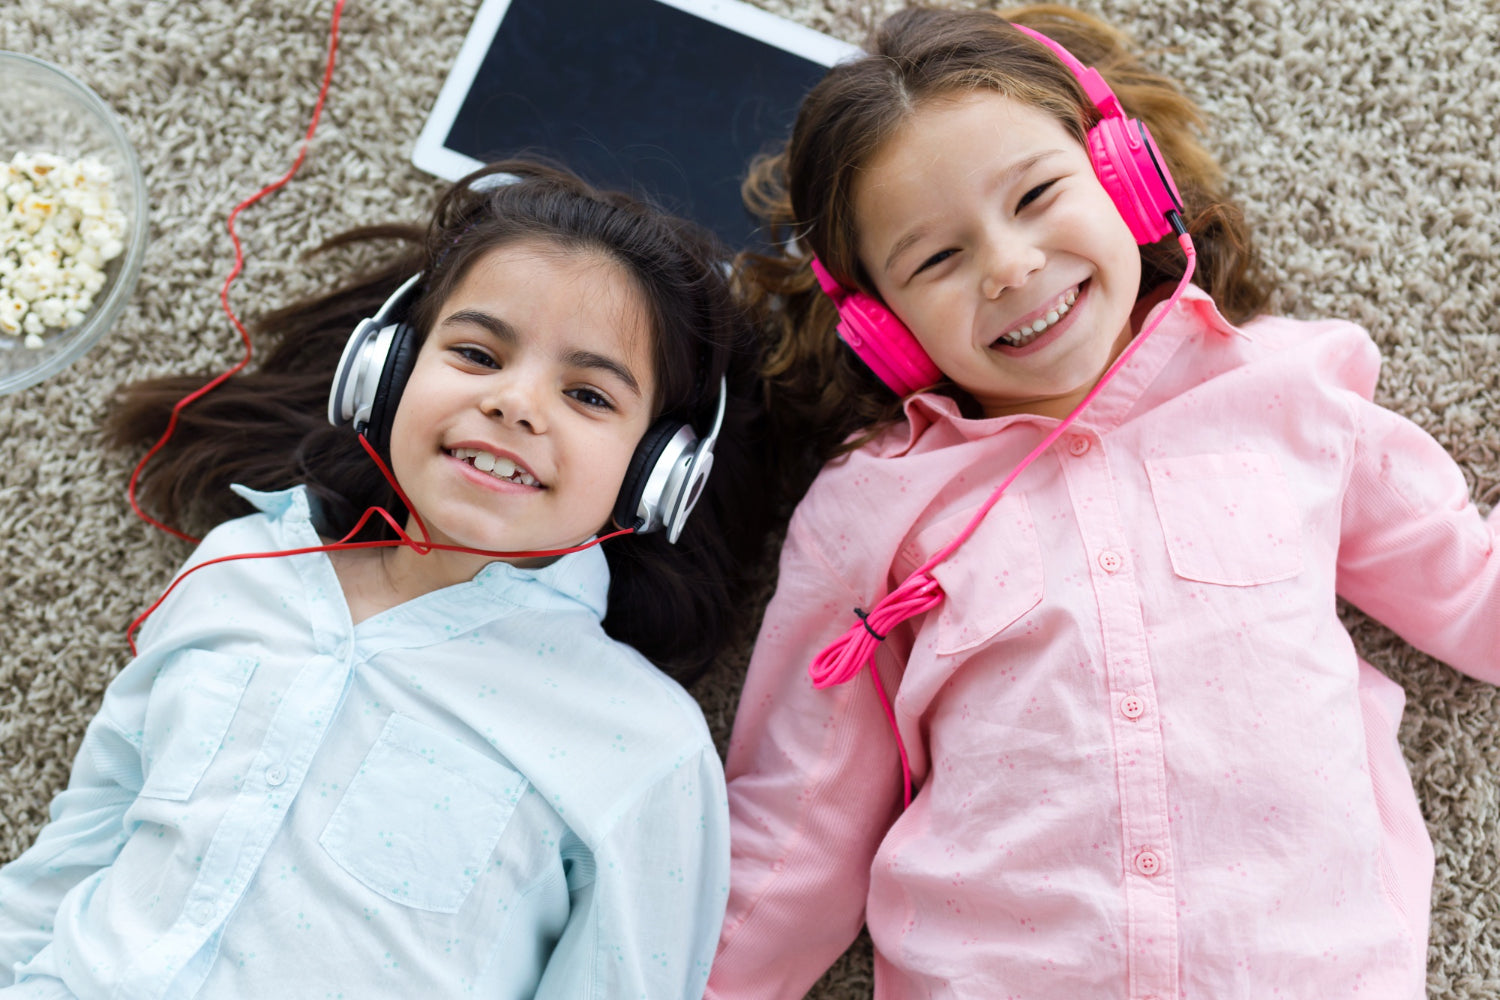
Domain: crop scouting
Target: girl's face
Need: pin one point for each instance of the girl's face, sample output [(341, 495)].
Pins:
[(985, 229), (526, 400)]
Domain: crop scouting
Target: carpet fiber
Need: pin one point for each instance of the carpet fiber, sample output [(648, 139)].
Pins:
[(1360, 133)]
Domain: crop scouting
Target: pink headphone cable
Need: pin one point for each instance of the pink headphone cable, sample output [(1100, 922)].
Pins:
[(846, 656)]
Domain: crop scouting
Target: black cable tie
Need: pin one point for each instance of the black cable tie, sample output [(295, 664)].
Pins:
[(864, 618)]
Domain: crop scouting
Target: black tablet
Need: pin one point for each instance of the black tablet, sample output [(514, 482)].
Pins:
[(669, 99)]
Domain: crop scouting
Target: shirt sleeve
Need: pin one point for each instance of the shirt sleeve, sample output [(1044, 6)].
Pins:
[(87, 827), (646, 905), (814, 783), (1414, 551)]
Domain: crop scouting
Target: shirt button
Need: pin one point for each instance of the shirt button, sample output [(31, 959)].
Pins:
[(275, 775), (1078, 445), (1111, 562), (201, 912), (1148, 863), (1132, 706)]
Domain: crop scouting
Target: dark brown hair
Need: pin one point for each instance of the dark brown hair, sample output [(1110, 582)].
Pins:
[(820, 393), (267, 428)]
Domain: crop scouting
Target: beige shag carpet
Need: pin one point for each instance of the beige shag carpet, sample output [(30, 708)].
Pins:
[(1362, 133)]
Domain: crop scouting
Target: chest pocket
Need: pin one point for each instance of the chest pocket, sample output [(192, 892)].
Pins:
[(421, 817), (193, 701), (1228, 519), (993, 578)]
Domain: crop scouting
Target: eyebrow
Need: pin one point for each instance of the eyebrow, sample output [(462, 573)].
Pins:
[(1006, 177), (589, 359), (574, 358)]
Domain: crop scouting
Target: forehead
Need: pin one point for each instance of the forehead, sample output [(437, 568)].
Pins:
[(959, 134), (950, 146), (577, 296)]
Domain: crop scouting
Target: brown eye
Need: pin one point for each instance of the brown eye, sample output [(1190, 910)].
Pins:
[(590, 398), (476, 356), (1034, 194), (933, 261)]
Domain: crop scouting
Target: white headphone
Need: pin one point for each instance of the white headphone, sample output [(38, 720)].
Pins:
[(666, 474)]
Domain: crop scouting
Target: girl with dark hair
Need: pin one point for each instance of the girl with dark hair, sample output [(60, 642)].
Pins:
[(442, 763), (1085, 511)]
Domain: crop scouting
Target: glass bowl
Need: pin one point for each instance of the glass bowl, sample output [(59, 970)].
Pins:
[(48, 110)]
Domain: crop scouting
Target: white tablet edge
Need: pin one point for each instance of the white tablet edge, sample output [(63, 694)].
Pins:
[(431, 155)]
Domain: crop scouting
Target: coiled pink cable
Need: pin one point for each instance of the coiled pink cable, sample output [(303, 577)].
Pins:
[(920, 592)]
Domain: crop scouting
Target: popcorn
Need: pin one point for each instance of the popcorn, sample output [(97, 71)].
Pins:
[(59, 226)]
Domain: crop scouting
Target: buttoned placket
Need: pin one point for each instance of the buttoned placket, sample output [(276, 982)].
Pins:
[(1140, 766)]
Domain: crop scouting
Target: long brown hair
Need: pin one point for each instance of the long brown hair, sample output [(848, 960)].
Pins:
[(267, 428), (820, 394)]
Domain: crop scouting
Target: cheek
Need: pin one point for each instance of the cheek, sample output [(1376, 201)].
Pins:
[(1124, 253), (411, 436), (400, 444), (935, 327), (609, 461), (618, 460)]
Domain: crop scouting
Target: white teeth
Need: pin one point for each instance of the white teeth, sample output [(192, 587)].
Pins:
[(496, 465), (1025, 334)]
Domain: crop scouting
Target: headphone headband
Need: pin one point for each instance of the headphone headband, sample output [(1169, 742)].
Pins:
[(1089, 78)]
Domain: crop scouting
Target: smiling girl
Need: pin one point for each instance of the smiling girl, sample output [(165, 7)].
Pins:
[(528, 398), (1086, 523), (448, 766)]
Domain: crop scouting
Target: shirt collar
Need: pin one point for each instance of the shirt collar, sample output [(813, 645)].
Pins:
[(1194, 312), (579, 576), (582, 577)]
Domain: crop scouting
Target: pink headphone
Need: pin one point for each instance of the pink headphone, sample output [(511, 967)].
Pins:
[(1128, 165)]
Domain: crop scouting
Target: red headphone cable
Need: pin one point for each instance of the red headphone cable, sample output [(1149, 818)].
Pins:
[(239, 265), (422, 547), (403, 539)]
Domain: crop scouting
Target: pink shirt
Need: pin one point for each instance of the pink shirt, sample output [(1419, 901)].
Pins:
[(1149, 760)]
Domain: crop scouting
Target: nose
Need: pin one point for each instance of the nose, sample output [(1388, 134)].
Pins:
[(515, 397), (1008, 262)]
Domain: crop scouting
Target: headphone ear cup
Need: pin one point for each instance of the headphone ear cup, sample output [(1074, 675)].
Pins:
[(638, 474), (885, 344), (1134, 175), (394, 374), (878, 338)]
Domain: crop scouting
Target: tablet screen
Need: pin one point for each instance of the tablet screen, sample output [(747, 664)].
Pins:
[(669, 99)]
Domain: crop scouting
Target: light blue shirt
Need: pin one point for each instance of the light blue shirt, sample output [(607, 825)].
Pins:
[(476, 792)]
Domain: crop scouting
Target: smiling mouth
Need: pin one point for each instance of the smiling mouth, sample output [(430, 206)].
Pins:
[(1025, 334), (495, 465)]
